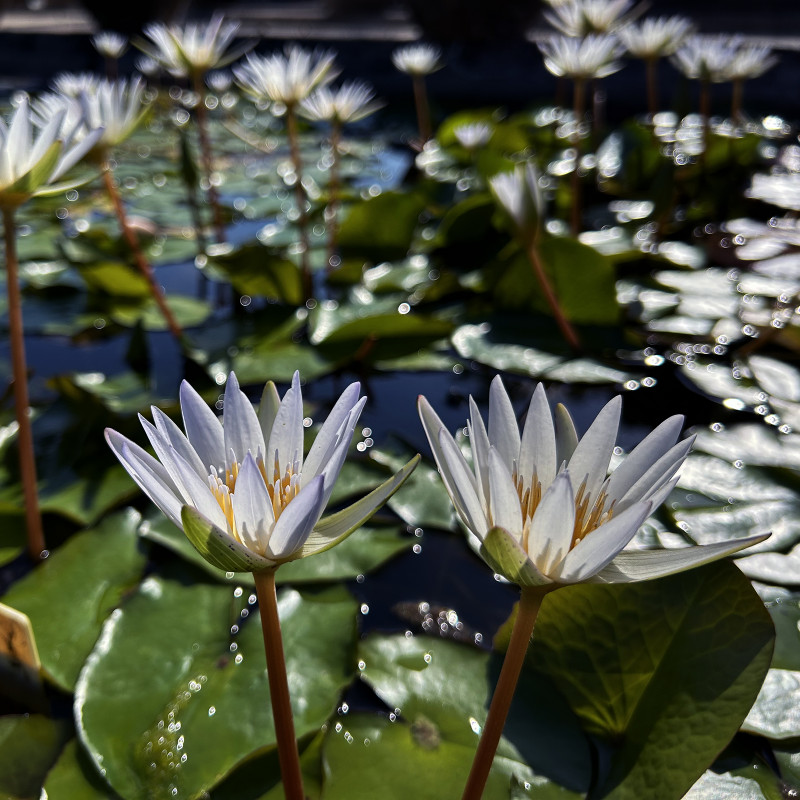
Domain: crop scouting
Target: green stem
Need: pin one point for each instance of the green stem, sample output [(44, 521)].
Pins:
[(288, 755), (333, 193), (27, 462), (300, 198), (736, 101), (567, 331), (206, 156), (529, 604), (423, 109), (142, 264), (705, 113)]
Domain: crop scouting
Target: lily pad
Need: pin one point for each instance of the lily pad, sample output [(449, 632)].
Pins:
[(199, 695), (93, 569)]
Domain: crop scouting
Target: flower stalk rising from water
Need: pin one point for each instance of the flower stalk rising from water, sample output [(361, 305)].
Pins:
[(417, 61), (33, 158), (546, 514), (248, 500)]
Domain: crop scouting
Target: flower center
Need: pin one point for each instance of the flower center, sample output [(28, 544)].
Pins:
[(282, 488)]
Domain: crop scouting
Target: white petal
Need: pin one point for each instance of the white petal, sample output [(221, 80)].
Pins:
[(240, 427), (553, 523), (150, 476), (200, 493), (175, 436), (643, 565), (566, 436), (461, 485), (328, 434), (286, 437), (297, 520), (537, 451), (268, 409), (600, 546), (19, 137), (164, 452), (252, 507), (657, 475), (504, 504), (202, 427), (590, 460), (503, 428), (643, 456), (479, 441), (333, 466)]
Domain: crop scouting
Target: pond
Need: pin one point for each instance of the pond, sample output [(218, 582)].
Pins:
[(656, 258)]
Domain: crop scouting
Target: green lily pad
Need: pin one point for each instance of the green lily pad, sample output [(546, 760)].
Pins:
[(29, 745), (189, 312), (199, 696), (75, 777), (93, 569), (438, 720), (776, 711), (662, 671)]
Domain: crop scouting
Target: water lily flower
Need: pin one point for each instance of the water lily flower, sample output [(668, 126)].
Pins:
[(594, 56), (118, 107), (581, 17), (240, 487), (707, 58), (519, 195), (418, 60), (33, 156), (655, 37), (73, 84), (351, 102), (542, 504), (109, 44), (751, 61), (287, 77), (473, 135), (193, 49)]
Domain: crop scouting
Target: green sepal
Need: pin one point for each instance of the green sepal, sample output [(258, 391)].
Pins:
[(218, 548), (333, 529), (26, 185), (506, 557)]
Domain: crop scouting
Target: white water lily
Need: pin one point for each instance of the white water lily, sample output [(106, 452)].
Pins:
[(240, 487), (287, 77), (33, 156), (73, 84), (193, 49), (541, 501), (473, 135), (351, 102), (418, 59), (594, 56), (707, 58), (581, 17), (519, 195), (751, 61), (118, 107), (655, 37), (110, 44)]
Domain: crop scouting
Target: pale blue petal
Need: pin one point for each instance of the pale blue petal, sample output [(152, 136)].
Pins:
[(286, 437), (503, 428), (164, 452), (175, 436), (552, 526), (644, 565), (202, 427), (199, 492), (461, 485), (331, 469), (150, 476), (659, 474), (537, 452), (329, 433), (252, 507), (268, 409), (599, 547), (240, 427), (297, 520)]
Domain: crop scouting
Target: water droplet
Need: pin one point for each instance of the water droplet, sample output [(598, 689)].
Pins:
[(211, 711)]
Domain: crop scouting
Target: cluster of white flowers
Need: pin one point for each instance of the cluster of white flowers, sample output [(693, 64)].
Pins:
[(722, 58)]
